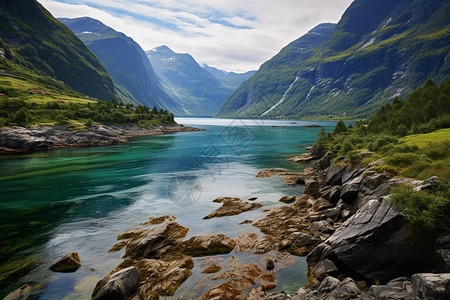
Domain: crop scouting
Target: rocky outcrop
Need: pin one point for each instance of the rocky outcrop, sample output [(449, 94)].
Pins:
[(38, 138), (156, 242), (208, 244), (289, 177), (69, 263), (231, 206), (120, 285)]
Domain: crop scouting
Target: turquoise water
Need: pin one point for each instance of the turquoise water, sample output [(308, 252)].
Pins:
[(79, 200)]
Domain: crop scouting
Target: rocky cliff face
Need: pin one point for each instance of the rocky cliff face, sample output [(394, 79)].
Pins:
[(378, 50)]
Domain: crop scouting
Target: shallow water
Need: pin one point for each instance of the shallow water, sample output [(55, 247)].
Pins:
[(67, 200)]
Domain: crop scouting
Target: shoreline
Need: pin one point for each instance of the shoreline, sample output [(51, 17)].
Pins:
[(19, 140)]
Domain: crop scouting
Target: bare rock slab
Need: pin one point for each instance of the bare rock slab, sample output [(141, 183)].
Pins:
[(231, 207)]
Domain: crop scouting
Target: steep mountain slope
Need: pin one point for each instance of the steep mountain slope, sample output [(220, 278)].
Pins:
[(199, 92), (231, 80), (125, 61), (378, 50), (34, 42), (267, 86)]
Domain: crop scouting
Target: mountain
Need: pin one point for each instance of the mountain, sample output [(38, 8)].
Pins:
[(231, 80), (125, 61), (37, 45), (198, 92), (267, 86), (378, 50)]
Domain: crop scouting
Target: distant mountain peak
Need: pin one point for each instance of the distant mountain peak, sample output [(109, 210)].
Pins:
[(162, 48)]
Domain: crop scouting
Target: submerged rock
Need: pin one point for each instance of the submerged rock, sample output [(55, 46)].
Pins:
[(69, 263), (21, 293), (231, 206), (212, 269), (269, 172)]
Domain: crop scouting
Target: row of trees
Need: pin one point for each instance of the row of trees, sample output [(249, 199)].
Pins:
[(21, 113)]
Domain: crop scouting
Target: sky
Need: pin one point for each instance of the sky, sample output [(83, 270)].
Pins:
[(232, 35)]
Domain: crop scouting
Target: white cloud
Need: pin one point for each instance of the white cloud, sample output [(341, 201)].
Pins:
[(234, 35)]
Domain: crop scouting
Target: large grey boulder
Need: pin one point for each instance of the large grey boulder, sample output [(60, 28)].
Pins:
[(118, 286), (374, 244), (431, 286)]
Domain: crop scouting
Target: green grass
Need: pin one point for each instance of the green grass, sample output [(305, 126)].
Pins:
[(424, 140)]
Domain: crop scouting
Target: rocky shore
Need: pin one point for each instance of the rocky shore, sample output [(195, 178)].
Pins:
[(357, 245), (38, 138)]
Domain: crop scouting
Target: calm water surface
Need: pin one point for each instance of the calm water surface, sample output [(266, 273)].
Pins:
[(79, 200)]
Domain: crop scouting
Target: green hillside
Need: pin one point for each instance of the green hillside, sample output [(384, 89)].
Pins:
[(378, 50), (410, 139), (32, 41)]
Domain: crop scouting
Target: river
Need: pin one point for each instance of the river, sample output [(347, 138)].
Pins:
[(80, 199)]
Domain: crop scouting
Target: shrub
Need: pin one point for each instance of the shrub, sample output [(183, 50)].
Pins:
[(403, 158), (346, 147), (426, 211)]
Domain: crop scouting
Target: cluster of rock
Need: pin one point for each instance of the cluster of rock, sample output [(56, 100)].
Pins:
[(36, 138), (347, 227), (157, 261)]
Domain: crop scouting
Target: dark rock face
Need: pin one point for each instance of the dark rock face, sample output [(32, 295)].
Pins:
[(333, 175), (69, 263), (373, 243), (118, 286), (431, 286)]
